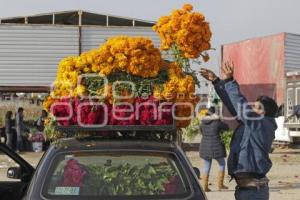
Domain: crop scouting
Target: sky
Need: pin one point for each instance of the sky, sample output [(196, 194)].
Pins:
[(231, 20)]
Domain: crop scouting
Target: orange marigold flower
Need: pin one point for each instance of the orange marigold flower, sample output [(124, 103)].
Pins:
[(187, 7), (47, 103), (186, 29)]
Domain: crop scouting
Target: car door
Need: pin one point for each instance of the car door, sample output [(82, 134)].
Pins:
[(18, 175)]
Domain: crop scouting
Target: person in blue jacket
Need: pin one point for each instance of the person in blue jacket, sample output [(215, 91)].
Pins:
[(248, 161)]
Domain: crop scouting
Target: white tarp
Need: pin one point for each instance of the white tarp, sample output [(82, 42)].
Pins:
[(282, 133)]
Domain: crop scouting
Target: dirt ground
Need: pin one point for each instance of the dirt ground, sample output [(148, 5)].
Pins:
[(284, 175)]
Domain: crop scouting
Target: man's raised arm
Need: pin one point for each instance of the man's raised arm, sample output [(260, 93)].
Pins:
[(219, 86)]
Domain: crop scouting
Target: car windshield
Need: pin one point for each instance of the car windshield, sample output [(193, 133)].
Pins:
[(116, 174)]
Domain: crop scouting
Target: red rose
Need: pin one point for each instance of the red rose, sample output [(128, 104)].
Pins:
[(145, 117), (73, 120), (161, 122), (93, 117), (172, 185), (73, 174)]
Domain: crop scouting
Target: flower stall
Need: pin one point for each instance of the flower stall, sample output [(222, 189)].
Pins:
[(127, 81), (36, 138)]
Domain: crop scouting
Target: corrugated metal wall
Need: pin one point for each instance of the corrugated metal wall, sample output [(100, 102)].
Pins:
[(260, 66), (29, 54), (92, 37), (292, 52)]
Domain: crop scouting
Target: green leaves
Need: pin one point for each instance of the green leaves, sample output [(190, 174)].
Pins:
[(184, 63), (143, 86), (127, 179), (192, 130), (226, 138), (50, 130)]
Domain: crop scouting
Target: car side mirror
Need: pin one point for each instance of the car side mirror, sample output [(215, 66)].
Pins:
[(14, 173), (197, 172)]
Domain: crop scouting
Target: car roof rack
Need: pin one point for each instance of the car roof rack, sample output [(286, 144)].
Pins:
[(129, 132)]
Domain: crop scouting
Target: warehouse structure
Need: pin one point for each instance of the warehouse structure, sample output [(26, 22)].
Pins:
[(32, 46)]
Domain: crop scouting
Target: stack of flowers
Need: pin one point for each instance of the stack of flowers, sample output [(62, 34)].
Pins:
[(95, 78), (84, 112), (37, 137)]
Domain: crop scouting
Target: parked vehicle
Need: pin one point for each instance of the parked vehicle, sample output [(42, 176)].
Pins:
[(22, 175), (291, 132), (127, 165)]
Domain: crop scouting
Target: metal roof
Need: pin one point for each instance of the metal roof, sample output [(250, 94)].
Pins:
[(77, 17)]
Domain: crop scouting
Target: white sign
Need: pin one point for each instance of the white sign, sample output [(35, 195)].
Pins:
[(67, 191)]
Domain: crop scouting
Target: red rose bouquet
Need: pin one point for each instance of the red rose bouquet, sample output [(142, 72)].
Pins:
[(74, 174), (143, 111)]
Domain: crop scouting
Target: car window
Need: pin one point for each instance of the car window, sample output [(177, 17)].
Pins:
[(116, 174)]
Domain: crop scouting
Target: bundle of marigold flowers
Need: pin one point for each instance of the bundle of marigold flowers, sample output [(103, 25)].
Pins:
[(133, 55), (186, 30), (80, 79)]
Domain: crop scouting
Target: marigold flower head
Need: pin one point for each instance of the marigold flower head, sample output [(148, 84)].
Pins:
[(186, 29), (187, 7), (47, 103)]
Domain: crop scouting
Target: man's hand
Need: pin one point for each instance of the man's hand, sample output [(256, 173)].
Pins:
[(208, 74), (227, 70)]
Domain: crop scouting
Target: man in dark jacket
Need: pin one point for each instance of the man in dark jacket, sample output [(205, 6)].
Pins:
[(211, 147), (248, 161)]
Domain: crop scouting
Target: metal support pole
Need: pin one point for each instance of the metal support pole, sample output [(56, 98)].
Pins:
[(80, 40), (53, 18), (80, 18), (80, 32), (107, 20)]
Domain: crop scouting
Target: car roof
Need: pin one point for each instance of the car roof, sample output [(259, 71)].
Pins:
[(75, 144)]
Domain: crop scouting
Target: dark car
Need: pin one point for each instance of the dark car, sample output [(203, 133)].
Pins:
[(106, 168)]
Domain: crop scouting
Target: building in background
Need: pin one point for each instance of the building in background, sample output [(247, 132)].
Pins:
[(262, 63), (270, 66), (32, 46)]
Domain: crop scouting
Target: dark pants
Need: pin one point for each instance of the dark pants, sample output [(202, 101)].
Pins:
[(9, 140), (19, 146), (46, 145), (252, 194)]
